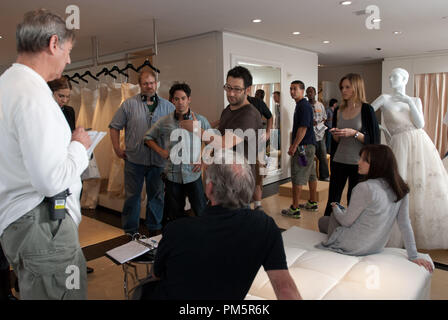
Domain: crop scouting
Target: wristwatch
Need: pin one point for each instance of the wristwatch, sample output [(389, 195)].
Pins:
[(356, 135)]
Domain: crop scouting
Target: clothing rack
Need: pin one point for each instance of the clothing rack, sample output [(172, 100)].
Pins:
[(96, 59)]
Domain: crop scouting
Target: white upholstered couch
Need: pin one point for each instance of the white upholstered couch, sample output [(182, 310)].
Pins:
[(322, 274)]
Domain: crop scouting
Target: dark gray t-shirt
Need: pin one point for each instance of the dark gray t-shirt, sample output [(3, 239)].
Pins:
[(244, 118), (348, 147)]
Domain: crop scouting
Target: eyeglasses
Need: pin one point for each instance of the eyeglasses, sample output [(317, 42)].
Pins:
[(228, 88)]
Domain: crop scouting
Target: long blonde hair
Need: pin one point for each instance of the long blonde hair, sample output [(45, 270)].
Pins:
[(357, 83)]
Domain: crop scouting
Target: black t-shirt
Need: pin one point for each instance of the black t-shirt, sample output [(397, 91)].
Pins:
[(303, 117), (218, 255), (260, 106)]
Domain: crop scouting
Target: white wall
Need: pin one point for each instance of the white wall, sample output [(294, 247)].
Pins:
[(370, 72), (430, 63), (295, 64), (198, 62)]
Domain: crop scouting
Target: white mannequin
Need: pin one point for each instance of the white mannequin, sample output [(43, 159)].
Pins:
[(419, 165), (398, 80)]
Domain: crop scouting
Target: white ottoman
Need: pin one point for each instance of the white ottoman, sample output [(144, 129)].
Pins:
[(322, 274)]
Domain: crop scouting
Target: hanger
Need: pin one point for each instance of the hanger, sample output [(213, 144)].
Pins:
[(70, 79), (106, 72), (115, 68), (129, 66), (77, 75), (147, 63), (88, 73)]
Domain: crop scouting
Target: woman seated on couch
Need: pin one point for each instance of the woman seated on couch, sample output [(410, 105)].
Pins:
[(383, 197)]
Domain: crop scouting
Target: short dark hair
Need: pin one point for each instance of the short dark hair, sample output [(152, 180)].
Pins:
[(300, 83), (384, 165), (242, 73), (277, 92), (260, 92), (58, 84), (180, 87), (38, 26), (332, 102), (314, 89)]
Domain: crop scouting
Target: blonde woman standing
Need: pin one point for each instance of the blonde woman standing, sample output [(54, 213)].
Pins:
[(354, 125)]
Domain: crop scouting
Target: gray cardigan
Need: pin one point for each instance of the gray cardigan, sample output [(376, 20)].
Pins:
[(366, 224)]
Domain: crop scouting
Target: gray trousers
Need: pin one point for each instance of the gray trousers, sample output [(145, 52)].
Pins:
[(327, 224), (46, 256)]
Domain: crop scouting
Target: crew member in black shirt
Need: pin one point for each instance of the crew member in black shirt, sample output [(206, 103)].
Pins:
[(217, 256)]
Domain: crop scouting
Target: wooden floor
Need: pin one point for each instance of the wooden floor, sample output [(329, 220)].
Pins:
[(106, 282)]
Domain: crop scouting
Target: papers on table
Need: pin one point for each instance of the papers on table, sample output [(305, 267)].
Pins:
[(133, 249)]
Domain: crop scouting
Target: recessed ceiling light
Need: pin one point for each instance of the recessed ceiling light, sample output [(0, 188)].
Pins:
[(326, 41), (256, 20), (397, 32), (345, 3), (296, 32)]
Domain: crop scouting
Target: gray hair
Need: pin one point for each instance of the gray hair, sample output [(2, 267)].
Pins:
[(233, 184), (38, 26)]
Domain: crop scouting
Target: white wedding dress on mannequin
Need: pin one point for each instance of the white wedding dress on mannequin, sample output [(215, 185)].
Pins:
[(419, 164)]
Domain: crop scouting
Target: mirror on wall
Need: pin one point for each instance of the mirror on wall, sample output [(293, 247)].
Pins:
[(267, 87)]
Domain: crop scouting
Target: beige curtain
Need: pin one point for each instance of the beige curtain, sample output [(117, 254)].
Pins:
[(432, 89)]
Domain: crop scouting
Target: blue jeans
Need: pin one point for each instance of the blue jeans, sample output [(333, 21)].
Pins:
[(175, 198), (134, 174)]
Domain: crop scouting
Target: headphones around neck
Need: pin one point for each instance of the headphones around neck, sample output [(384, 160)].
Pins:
[(185, 116), (152, 98)]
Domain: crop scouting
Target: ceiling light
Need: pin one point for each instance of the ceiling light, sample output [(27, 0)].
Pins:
[(397, 32), (1, 37), (256, 20), (345, 3), (296, 32), (326, 41)]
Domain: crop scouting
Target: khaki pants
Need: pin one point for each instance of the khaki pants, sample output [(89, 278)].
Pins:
[(46, 256)]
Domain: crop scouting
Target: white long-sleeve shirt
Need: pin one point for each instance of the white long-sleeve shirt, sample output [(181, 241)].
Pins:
[(37, 157)]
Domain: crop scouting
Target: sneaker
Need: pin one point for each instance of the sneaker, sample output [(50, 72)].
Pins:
[(291, 212), (310, 206)]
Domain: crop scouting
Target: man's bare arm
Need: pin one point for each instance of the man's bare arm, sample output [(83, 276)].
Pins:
[(284, 285)]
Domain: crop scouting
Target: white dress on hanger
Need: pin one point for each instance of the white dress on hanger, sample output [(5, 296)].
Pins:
[(420, 166), (101, 119), (115, 184), (89, 101), (75, 101)]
